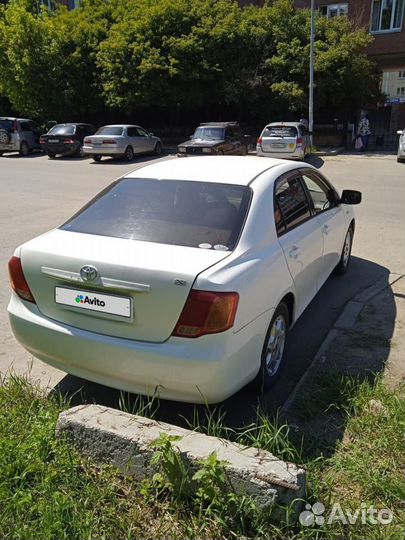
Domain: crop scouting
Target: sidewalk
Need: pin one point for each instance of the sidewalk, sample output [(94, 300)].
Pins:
[(367, 339)]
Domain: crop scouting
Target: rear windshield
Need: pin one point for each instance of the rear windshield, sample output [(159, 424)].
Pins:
[(209, 133), (62, 130), (6, 124), (195, 214), (280, 131), (108, 130)]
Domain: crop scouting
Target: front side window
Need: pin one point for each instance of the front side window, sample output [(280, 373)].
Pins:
[(319, 192), (142, 132), (387, 15), (290, 198), (195, 214)]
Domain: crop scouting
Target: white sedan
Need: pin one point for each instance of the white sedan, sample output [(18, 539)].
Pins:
[(183, 277)]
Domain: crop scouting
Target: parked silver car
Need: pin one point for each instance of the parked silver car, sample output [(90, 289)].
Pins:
[(288, 140), (18, 135), (121, 141), (401, 146)]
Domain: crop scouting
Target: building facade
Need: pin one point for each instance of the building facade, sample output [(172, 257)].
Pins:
[(385, 20)]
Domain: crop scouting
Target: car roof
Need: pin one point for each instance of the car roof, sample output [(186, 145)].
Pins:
[(12, 118), (120, 125), (241, 170), (72, 124), (219, 124), (288, 124)]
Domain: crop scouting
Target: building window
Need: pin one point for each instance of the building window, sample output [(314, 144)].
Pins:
[(401, 74), (387, 15), (401, 91), (334, 10)]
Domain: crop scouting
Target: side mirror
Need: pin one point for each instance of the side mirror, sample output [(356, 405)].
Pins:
[(150, 134), (350, 196)]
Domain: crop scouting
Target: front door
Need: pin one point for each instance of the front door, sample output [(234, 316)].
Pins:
[(300, 237)]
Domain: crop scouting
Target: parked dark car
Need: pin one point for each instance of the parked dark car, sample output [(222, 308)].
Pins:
[(215, 138), (66, 139)]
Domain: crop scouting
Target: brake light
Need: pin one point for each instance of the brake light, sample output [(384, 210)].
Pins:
[(207, 313), (259, 141), (87, 141), (109, 141), (299, 141), (69, 141), (42, 140), (18, 281)]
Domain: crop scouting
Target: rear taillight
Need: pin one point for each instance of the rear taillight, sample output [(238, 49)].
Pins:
[(259, 141), (299, 141), (109, 141), (18, 281), (207, 313), (42, 140), (69, 141), (87, 141)]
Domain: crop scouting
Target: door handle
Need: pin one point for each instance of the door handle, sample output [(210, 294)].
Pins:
[(325, 229), (294, 252)]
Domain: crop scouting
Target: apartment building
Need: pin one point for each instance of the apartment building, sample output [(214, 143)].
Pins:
[(385, 20)]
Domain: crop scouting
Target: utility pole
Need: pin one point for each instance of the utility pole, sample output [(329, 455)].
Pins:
[(311, 72)]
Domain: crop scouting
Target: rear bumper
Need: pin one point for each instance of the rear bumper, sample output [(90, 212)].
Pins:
[(61, 149), (297, 154), (208, 369), (91, 150)]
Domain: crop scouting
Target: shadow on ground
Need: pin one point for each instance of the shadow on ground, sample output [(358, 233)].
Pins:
[(304, 341)]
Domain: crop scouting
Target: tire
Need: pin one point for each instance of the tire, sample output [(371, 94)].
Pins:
[(1, 153), (24, 149), (129, 154), (79, 152), (4, 136), (244, 150), (400, 159), (51, 155), (343, 264), (272, 359), (158, 149), (96, 157)]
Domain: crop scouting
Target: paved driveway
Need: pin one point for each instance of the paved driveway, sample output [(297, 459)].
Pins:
[(37, 194)]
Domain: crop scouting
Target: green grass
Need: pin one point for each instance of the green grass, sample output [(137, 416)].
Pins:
[(47, 491)]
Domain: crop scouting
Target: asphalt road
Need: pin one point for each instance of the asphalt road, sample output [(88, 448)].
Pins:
[(37, 194)]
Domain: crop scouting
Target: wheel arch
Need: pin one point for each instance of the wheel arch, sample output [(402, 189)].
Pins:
[(289, 300)]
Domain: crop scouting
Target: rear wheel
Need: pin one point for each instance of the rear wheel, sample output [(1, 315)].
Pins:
[(1, 153), (96, 157), (158, 149), (24, 149), (51, 155), (129, 154), (273, 349), (343, 264)]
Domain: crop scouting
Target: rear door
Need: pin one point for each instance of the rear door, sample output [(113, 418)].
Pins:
[(299, 235), (330, 216), (27, 134), (279, 139)]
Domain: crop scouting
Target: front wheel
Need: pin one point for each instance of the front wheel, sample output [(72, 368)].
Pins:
[(158, 149), (343, 264), (24, 149), (51, 155), (273, 349)]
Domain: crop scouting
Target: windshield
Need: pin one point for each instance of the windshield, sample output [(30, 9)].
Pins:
[(110, 130), (280, 131), (209, 133), (195, 214), (62, 130)]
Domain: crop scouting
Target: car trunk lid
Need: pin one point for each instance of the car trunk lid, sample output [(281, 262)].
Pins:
[(155, 278)]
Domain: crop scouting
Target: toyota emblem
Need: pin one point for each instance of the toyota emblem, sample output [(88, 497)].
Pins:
[(88, 273)]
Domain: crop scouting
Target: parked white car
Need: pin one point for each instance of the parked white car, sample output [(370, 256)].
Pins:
[(401, 146), (184, 276), (121, 141), (286, 140)]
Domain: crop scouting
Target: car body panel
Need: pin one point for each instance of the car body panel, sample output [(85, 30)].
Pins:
[(57, 142), (19, 131), (147, 357), (401, 146), (225, 138)]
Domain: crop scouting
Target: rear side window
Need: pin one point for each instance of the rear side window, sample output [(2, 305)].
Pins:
[(6, 124), (280, 131), (62, 130), (110, 130), (292, 202), (195, 214)]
